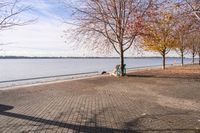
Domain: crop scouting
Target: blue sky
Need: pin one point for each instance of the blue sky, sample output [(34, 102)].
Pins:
[(47, 9), (45, 36)]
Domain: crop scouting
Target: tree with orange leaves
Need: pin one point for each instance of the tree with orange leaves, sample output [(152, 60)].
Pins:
[(159, 32)]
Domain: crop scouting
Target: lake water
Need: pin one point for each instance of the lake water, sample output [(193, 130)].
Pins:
[(24, 71)]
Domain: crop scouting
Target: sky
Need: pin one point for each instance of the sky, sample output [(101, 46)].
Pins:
[(45, 36)]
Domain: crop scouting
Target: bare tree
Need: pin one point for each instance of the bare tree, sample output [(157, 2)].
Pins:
[(198, 50), (116, 23), (196, 46), (193, 44), (183, 29), (194, 6), (10, 12)]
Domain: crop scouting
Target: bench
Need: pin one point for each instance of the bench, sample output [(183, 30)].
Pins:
[(117, 70)]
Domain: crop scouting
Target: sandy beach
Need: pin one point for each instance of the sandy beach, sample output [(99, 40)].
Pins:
[(149, 100)]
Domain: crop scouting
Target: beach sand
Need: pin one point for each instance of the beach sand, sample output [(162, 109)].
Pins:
[(150, 100)]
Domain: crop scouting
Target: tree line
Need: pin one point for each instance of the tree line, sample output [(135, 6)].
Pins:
[(152, 25)]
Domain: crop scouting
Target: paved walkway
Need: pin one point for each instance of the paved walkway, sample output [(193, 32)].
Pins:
[(148, 101)]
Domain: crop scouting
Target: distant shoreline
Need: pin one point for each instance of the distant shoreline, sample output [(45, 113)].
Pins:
[(25, 57)]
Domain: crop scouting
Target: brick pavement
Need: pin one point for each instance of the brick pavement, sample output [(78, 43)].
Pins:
[(141, 102)]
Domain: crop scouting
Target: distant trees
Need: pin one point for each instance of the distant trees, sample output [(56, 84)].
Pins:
[(116, 22)]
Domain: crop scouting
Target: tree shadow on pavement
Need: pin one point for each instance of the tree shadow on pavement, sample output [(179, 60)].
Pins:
[(137, 122), (129, 127), (5, 107), (75, 127)]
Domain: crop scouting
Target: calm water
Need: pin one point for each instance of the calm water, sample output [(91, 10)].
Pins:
[(21, 69)]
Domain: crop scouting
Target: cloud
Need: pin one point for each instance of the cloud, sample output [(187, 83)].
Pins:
[(48, 10), (43, 37)]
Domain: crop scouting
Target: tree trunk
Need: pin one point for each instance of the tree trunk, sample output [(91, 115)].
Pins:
[(163, 56), (182, 59), (193, 55), (199, 58), (122, 60)]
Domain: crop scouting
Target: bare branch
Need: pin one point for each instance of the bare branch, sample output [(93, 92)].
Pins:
[(195, 7), (116, 22), (10, 14)]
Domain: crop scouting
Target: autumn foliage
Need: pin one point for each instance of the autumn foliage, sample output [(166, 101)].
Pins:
[(157, 25), (158, 32)]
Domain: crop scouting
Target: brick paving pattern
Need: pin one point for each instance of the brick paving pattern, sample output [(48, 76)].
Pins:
[(149, 102)]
